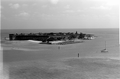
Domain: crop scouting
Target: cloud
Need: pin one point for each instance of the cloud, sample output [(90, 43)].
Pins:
[(14, 6), (34, 4), (25, 5), (44, 6), (111, 3), (1, 7), (25, 14), (101, 7), (70, 11), (0, 13), (54, 1), (67, 6), (23, 0), (80, 11), (0, 10)]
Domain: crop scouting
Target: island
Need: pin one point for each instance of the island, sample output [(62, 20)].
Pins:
[(53, 38)]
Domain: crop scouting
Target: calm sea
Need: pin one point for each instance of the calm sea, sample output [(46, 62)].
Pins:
[(97, 32), (90, 48)]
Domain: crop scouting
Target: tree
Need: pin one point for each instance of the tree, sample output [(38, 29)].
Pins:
[(76, 32)]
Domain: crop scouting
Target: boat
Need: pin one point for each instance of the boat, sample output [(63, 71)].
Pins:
[(104, 50)]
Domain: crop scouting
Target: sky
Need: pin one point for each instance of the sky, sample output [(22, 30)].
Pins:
[(50, 14)]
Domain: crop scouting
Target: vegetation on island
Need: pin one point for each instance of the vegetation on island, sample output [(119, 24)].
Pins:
[(46, 37)]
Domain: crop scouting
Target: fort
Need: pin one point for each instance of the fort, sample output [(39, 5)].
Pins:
[(46, 37)]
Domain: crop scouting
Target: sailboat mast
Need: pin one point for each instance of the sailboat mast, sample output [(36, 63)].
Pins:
[(105, 44)]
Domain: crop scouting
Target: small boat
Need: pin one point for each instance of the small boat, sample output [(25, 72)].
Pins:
[(104, 50)]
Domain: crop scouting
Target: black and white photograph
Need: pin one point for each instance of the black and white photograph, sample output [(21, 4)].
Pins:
[(59, 39)]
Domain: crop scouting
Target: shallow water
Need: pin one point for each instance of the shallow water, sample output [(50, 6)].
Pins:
[(69, 68), (21, 51), (26, 60)]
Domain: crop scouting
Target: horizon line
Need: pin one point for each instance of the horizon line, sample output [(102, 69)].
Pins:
[(54, 28)]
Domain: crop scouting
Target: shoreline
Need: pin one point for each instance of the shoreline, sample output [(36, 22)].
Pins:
[(40, 42), (63, 42)]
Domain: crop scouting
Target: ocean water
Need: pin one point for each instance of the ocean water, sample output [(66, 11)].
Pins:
[(89, 48), (27, 60), (103, 32)]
